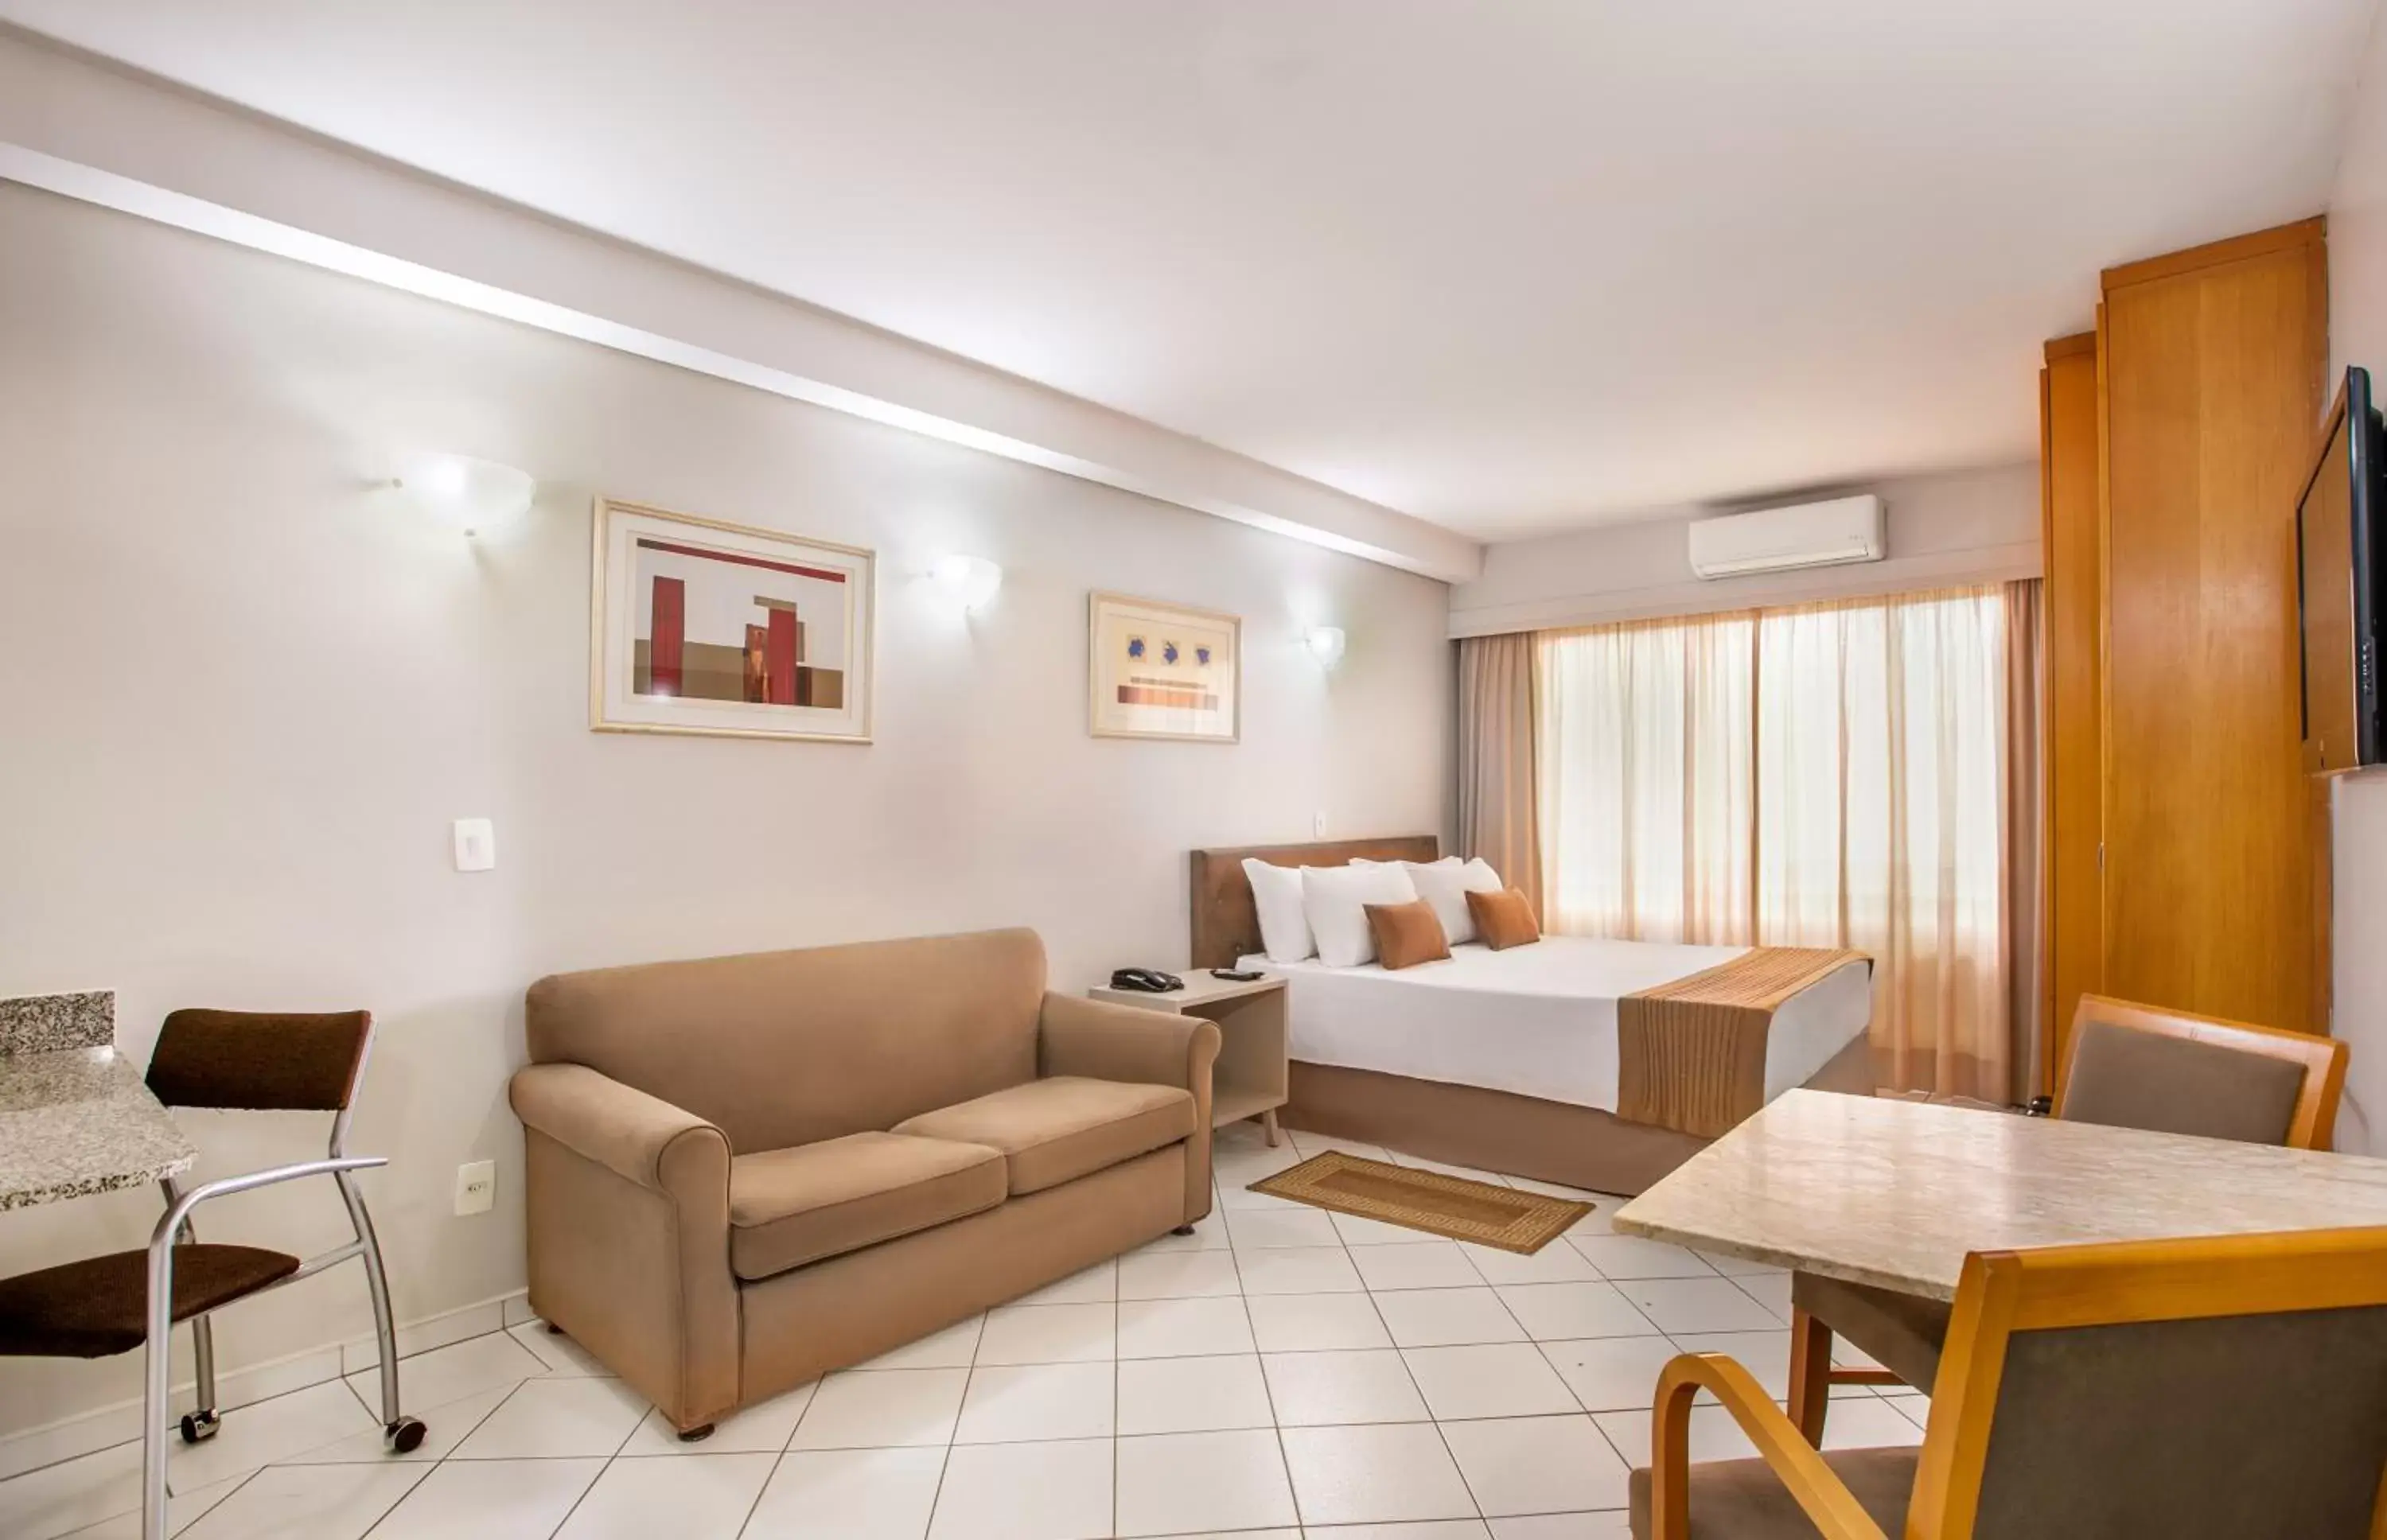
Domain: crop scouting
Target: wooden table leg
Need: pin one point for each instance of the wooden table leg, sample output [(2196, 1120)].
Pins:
[(1811, 1375), (1268, 1129)]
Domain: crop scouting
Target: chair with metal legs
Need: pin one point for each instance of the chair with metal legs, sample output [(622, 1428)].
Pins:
[(104, 1305)]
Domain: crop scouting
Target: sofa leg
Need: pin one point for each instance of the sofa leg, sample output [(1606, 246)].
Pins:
[(1183, 1229), (697, 1435)]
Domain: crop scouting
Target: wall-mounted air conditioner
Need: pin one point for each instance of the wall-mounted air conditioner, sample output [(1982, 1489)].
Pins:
[(1779, 539)]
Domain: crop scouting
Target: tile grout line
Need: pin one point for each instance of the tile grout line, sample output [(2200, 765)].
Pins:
[(1400, 1355), (1605, 1437), (1268, 1392), (954, 1433), (593, 1480)]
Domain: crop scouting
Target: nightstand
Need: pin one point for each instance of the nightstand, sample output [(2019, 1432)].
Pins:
[(1249, 1080)]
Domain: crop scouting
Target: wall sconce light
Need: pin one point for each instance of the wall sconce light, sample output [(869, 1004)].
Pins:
[(474, 496), (1325, 644), (971, 581)]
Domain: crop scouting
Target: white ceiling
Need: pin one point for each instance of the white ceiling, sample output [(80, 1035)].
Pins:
[(1508, 267)]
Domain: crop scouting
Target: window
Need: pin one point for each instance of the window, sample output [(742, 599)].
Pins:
[(1829, 775)]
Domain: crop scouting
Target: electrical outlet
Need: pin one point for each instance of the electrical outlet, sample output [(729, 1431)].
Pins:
[(476, 1186)]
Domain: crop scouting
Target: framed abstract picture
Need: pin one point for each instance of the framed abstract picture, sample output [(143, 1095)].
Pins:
[(698, 627), (1164, 671)]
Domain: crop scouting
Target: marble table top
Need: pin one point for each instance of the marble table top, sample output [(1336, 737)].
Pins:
[(1895, 1193), (79, 1121)]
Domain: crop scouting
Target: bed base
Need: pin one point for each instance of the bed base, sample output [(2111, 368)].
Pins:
[(1517, 1136)]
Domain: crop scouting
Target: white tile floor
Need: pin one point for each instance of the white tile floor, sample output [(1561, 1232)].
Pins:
[(1283, 1374)]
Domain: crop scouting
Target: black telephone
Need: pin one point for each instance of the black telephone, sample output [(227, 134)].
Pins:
[(1146, 980)]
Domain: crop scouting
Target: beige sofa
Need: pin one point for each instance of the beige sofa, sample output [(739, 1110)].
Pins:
[(743, 1172)]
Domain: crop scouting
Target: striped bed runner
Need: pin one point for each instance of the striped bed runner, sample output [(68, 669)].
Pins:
[(1691, 1053)]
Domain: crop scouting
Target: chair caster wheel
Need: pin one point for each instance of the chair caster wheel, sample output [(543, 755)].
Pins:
[(1183, 1229), (697, 1435), (200, 1426), (405, 1435)]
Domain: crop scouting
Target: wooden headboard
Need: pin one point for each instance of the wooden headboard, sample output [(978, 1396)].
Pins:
[(1226, 927)]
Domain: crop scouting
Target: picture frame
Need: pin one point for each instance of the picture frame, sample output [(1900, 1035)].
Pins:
[(668, 592), (1158, 670)]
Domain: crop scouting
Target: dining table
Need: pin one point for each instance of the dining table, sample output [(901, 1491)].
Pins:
[(75, 1117), (1895, 1193)]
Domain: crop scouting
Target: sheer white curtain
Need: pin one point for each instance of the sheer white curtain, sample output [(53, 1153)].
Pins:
[(1830, 774), (1881, 775), (1646, 792)]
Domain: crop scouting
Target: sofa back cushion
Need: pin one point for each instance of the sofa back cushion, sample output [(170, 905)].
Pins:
[(781, 1048)]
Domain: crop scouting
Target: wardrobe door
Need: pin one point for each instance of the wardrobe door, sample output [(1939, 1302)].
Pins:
[(2214, 362), (2071, 927)]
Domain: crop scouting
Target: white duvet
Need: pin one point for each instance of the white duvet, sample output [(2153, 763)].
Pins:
[(1538, 1020)]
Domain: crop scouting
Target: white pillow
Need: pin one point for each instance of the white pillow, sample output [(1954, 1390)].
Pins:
[(1446, 885), (1276, 895), (1335, 899)]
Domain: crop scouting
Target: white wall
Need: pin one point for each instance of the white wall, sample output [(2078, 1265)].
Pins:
[(1969, 527), (245, 692), (2357, 334), (112, 136)]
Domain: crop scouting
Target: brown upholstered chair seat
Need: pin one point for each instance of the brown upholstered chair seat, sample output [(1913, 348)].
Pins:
[(787, 1207), (1060, 1127), (97, 1307), (1742, 1499), (1903, 1333)]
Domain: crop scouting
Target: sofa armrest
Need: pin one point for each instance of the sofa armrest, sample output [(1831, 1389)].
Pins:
[(627, 1206), (642, 1138), (1102, 1042)]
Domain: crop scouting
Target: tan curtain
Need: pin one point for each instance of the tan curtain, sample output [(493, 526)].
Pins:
[(1498, 763), (2026, 792), (1829, 775), (1881, 749), (1647, 833)]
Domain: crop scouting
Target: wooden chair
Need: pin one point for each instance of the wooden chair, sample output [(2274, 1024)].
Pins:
[(103, 1305), (2130, 1066), (2208, 1389)]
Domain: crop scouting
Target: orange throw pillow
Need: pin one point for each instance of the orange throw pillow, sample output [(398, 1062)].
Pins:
[(1407, 934), (1503, 920)]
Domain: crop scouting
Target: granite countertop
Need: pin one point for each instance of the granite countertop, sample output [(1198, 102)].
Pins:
[(1894, 1193), (78, 1121), (47, 1023)]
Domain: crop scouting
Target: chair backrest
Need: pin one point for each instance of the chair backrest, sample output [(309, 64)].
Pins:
[(2172, 1072), (784, 1048), (2231, 1388), (261, 1060)]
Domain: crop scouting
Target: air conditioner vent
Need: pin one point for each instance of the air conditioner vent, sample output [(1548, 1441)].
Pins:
[(1783, 539)]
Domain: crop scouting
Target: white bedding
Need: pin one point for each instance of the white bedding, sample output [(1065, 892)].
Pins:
[(1537, 1020)]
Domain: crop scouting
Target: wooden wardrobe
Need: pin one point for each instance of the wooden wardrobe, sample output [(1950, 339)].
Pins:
[(2186, 849)]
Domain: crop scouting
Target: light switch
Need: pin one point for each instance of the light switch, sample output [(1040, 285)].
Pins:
[(476, 845)]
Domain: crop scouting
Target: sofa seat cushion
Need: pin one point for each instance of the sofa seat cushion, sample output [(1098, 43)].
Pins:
[(1058, 1128), (787, 1207)]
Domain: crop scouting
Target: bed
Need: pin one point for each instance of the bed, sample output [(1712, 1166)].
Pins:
[(1588, 1062)]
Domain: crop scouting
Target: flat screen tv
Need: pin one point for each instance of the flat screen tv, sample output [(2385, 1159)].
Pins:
[(2341, 584)]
